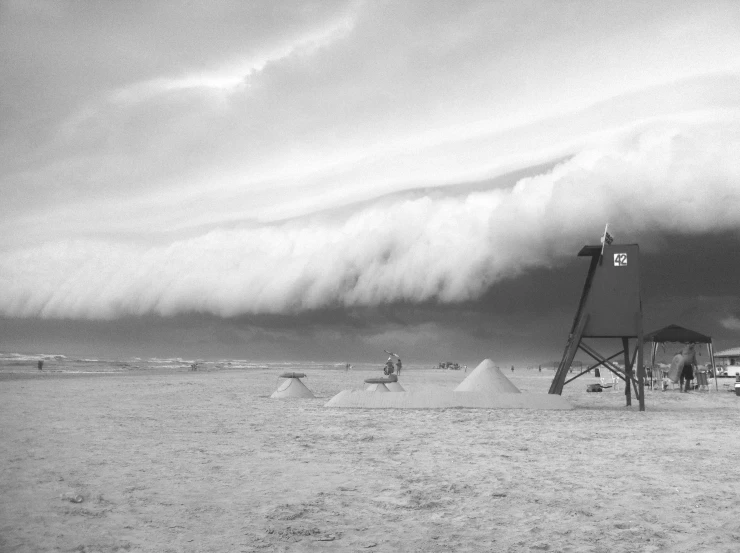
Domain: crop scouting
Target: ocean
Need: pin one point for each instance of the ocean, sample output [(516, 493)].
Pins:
[(13, 362)]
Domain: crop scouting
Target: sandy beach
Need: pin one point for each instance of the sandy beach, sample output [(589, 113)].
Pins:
[(206, 461)]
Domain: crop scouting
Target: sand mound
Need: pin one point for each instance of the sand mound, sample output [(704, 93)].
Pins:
[(484, 388), (486, 378), (445, 399), (394, 387), (292, 387), (376, 387)]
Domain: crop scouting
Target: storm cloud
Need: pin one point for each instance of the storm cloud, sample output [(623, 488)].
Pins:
[(443, 246), (244, 161)]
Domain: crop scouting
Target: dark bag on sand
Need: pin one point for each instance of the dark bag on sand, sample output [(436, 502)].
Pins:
[(594, 388)]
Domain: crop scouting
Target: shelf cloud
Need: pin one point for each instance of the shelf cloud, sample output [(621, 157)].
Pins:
[(342, 175), (443, 245)]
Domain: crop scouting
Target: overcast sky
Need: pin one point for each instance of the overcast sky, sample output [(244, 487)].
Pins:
[(325, 180)]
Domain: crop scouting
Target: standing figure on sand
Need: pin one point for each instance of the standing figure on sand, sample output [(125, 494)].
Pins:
[(389, 369), (682, 367)]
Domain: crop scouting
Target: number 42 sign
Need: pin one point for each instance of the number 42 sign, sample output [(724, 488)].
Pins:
[(620, 259)]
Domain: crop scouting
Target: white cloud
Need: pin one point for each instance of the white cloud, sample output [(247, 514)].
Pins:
[(418, 95), (232, 76), (731, 323), (678, 176)]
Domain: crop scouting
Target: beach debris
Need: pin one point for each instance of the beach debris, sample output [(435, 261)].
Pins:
[(72, 498)]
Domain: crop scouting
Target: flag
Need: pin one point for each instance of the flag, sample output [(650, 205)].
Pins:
[(606, 238)]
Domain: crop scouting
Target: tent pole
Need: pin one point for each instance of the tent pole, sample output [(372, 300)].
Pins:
[(627, 371), (653, 350), (714, 367), (640, 365)]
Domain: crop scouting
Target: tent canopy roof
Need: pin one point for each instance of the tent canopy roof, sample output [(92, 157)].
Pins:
[(675, 333)]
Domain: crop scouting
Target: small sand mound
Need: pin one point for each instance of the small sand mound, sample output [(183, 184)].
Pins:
[(376, 387), (395, 387), (292, 387), (486, 378)]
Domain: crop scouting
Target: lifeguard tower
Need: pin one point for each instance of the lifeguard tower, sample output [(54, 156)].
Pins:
[(610, 307)]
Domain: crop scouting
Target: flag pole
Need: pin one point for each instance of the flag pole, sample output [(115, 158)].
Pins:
[(603, 238), (603, 243)]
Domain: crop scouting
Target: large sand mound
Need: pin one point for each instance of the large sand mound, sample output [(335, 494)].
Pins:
[(485, 388), (488, 379)]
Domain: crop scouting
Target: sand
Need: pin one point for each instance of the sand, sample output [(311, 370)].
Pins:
[(443, 399), (485, 387), (206, 461)]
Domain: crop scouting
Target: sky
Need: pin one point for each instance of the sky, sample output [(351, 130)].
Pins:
[(326, 180)]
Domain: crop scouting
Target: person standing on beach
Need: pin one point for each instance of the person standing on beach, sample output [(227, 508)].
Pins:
[(388, 369), (702, 380), (687, 375), (398, 367), (687, 372)]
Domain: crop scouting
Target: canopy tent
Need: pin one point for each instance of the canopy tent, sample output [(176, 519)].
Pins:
[(675, 333)]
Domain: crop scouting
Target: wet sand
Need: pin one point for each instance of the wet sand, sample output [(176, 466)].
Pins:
[(206, 461)]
